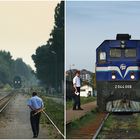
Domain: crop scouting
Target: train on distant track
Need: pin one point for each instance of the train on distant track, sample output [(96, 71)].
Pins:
[(17, 83), (118, 74)]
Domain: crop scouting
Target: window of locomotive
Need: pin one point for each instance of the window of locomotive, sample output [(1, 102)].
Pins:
[(130, 52), (115, 53), (102, 56)]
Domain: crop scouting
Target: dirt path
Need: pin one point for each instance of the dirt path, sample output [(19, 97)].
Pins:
[(15, 123), (76, 114)]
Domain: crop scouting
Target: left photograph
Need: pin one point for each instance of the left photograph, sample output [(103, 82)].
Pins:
[(32, 69)]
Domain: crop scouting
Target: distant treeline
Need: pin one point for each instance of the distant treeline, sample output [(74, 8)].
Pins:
[(49, 58), (9, 68)]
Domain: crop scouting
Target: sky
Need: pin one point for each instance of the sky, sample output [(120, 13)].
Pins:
[(24, 26), (88, 24)]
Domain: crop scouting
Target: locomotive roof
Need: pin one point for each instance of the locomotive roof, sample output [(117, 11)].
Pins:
[(116, 44)]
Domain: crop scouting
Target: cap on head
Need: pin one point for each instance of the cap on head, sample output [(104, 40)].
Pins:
[(34, 94)]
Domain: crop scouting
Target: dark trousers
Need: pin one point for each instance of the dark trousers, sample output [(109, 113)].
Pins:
[(34, 119), (76, 99)]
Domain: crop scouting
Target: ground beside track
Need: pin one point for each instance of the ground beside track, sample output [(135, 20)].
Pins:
[(15, 123), (72, 115), (121, 126), (85, 127)]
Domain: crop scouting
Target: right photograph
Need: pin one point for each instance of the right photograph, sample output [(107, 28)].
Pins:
[(102, 70)]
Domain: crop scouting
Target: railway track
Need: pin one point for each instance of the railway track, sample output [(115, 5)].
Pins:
[(109, 126), (101, 126), (5, 101), (89, 130), (120, 126)]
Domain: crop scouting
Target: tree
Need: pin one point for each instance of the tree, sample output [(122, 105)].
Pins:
[(5, 67), (49, 58), (9, 68)]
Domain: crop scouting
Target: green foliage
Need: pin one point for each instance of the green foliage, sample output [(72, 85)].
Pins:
[(5, 67), (25, 72), (93, 80), (9, 68), (109, 123), (44, 63), (55, 112), (7, 87), (49, 58), (84, 100), (80, 123)]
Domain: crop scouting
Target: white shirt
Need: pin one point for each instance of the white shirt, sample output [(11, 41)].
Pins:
[(76, 81)]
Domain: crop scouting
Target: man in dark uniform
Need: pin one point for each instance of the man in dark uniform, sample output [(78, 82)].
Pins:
[(76, 96), (35, 104)]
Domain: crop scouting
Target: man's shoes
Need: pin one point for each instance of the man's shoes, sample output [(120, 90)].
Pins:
[(74, 108), (34, 136), (80, 108)]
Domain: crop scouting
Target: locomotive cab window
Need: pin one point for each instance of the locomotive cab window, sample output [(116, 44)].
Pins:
[(102, 56), (130, 52), (115, 53)]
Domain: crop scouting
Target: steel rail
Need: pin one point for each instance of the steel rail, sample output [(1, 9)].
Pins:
[(4, 105), (4, 97), (101, 126), (54, 124)]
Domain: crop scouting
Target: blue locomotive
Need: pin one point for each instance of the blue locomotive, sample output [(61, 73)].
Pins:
[(118, 75)]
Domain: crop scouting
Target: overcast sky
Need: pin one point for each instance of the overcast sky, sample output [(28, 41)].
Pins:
[(89, 23), (24, 26)]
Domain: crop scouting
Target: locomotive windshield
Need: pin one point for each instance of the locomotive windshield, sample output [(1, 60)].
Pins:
[(130, 52), (117, 53)]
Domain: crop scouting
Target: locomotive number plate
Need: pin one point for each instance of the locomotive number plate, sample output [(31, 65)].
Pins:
[(123, 86)]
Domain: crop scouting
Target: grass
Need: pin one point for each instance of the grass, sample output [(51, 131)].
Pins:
[(137, 118), (56, 95), (79, 123), (117, 123), (55, 111), (110, 123), (84, 100)]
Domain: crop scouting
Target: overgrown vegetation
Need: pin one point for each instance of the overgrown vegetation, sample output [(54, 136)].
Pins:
[(84, 100), (9, 68), (77, 124), (49, 58), (55, 112), (121, 126)]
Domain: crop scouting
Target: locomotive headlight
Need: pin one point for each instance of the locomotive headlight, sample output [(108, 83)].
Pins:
[(113, 76), (132, 76), (122, 44)]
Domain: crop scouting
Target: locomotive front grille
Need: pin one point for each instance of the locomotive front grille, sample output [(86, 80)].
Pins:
[(123, 106)]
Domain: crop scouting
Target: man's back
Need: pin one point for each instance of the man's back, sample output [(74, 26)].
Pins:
[(35, 102)]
